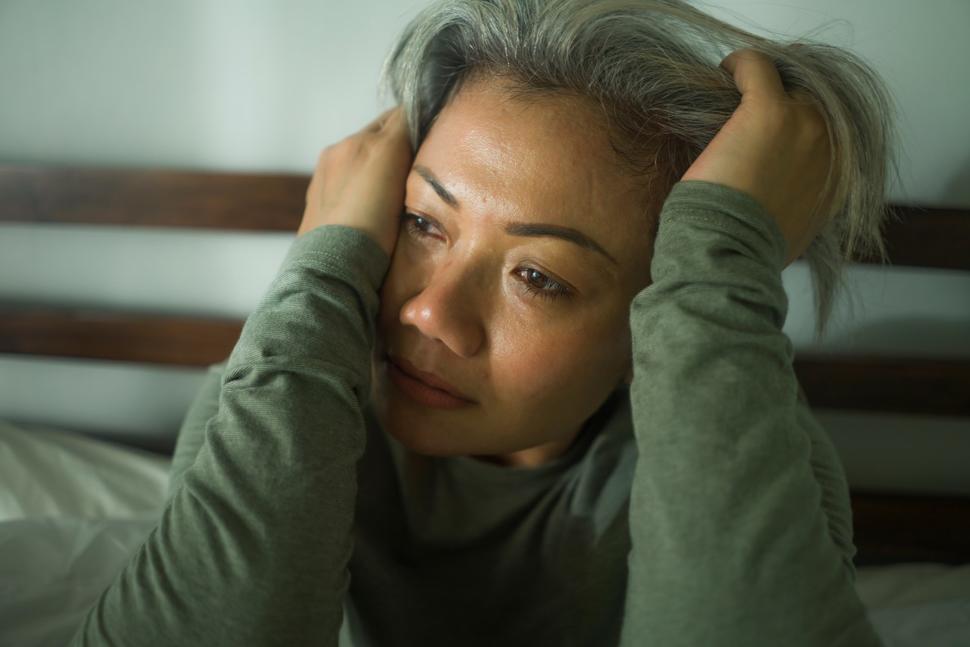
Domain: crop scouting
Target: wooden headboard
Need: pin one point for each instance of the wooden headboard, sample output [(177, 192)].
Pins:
[(889, 527)]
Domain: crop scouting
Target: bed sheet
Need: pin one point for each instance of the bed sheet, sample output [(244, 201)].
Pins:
[(73, 508)]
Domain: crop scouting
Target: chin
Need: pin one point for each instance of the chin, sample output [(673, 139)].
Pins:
[(415, 436)]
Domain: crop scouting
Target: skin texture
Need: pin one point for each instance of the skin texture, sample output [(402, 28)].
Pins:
[(453, 302)]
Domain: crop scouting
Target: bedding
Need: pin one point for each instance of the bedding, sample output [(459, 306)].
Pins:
[(73, 507)]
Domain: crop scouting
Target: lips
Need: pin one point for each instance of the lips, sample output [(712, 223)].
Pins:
[(430, 379)]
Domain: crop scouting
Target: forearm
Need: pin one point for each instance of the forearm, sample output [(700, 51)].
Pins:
[(191, 433), (731, 541), (253, 547)]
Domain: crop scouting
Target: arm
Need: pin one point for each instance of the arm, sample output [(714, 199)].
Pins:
[(192, 432), (253, 547), (735, 539)]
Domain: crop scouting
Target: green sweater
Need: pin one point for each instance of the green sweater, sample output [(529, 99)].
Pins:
[(702, 505)]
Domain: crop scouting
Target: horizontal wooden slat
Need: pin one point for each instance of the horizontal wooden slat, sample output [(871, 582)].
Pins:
[(95, 334), (152, 197), (922, 237), (893, 385), (892, 528), (928, 237), (878, 384)]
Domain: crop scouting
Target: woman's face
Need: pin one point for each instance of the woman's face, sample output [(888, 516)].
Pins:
[(532, 326)]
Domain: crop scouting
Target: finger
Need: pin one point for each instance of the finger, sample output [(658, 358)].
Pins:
[(754, 73)]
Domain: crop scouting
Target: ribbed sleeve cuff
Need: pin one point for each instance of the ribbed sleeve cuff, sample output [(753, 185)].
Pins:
[(344, 252), (734, 212)]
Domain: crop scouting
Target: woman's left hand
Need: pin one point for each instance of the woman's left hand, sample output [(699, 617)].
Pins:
[(775, 148)]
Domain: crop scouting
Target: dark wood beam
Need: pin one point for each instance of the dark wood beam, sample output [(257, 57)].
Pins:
[(920, 386), (928, 237), (892, 528), (126, 337), (152, 198)]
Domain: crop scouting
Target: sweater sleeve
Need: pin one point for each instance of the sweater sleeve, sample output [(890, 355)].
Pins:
[(739, 519), (252, 547), (192, 431)]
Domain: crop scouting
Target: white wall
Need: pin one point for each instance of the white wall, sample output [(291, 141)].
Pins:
[(263, 86)]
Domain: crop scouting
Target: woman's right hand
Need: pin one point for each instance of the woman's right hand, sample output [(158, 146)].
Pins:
[(359, 181), (775, 148)]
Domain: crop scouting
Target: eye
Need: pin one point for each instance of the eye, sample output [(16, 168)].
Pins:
[(538, 284), (416, 225)]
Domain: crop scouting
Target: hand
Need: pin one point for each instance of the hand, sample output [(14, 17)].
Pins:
[(359, 181), (775, 148)]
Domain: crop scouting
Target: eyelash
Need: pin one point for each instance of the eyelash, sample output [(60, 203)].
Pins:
[(560, 291)]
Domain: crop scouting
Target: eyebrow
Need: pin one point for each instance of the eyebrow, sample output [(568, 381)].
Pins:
[(531, 229)]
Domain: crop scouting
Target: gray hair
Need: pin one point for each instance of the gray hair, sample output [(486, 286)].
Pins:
[(653, 67)]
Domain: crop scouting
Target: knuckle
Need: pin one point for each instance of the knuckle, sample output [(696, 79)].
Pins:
[(346, 147), (383, 139), (365, 145)]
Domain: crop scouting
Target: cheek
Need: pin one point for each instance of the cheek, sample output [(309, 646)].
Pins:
[(549, 366)]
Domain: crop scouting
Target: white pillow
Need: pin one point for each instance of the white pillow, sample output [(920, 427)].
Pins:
[(72, 510), (46, 472)]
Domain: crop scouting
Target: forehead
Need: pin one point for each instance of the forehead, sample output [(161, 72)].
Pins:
[(542, 159)]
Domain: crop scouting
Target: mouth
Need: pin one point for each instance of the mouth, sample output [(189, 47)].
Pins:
[(423, 387)]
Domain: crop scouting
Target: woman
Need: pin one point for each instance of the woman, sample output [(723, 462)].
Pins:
[(521, 377)]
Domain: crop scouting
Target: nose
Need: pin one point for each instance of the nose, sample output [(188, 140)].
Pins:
[(448, 309)]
